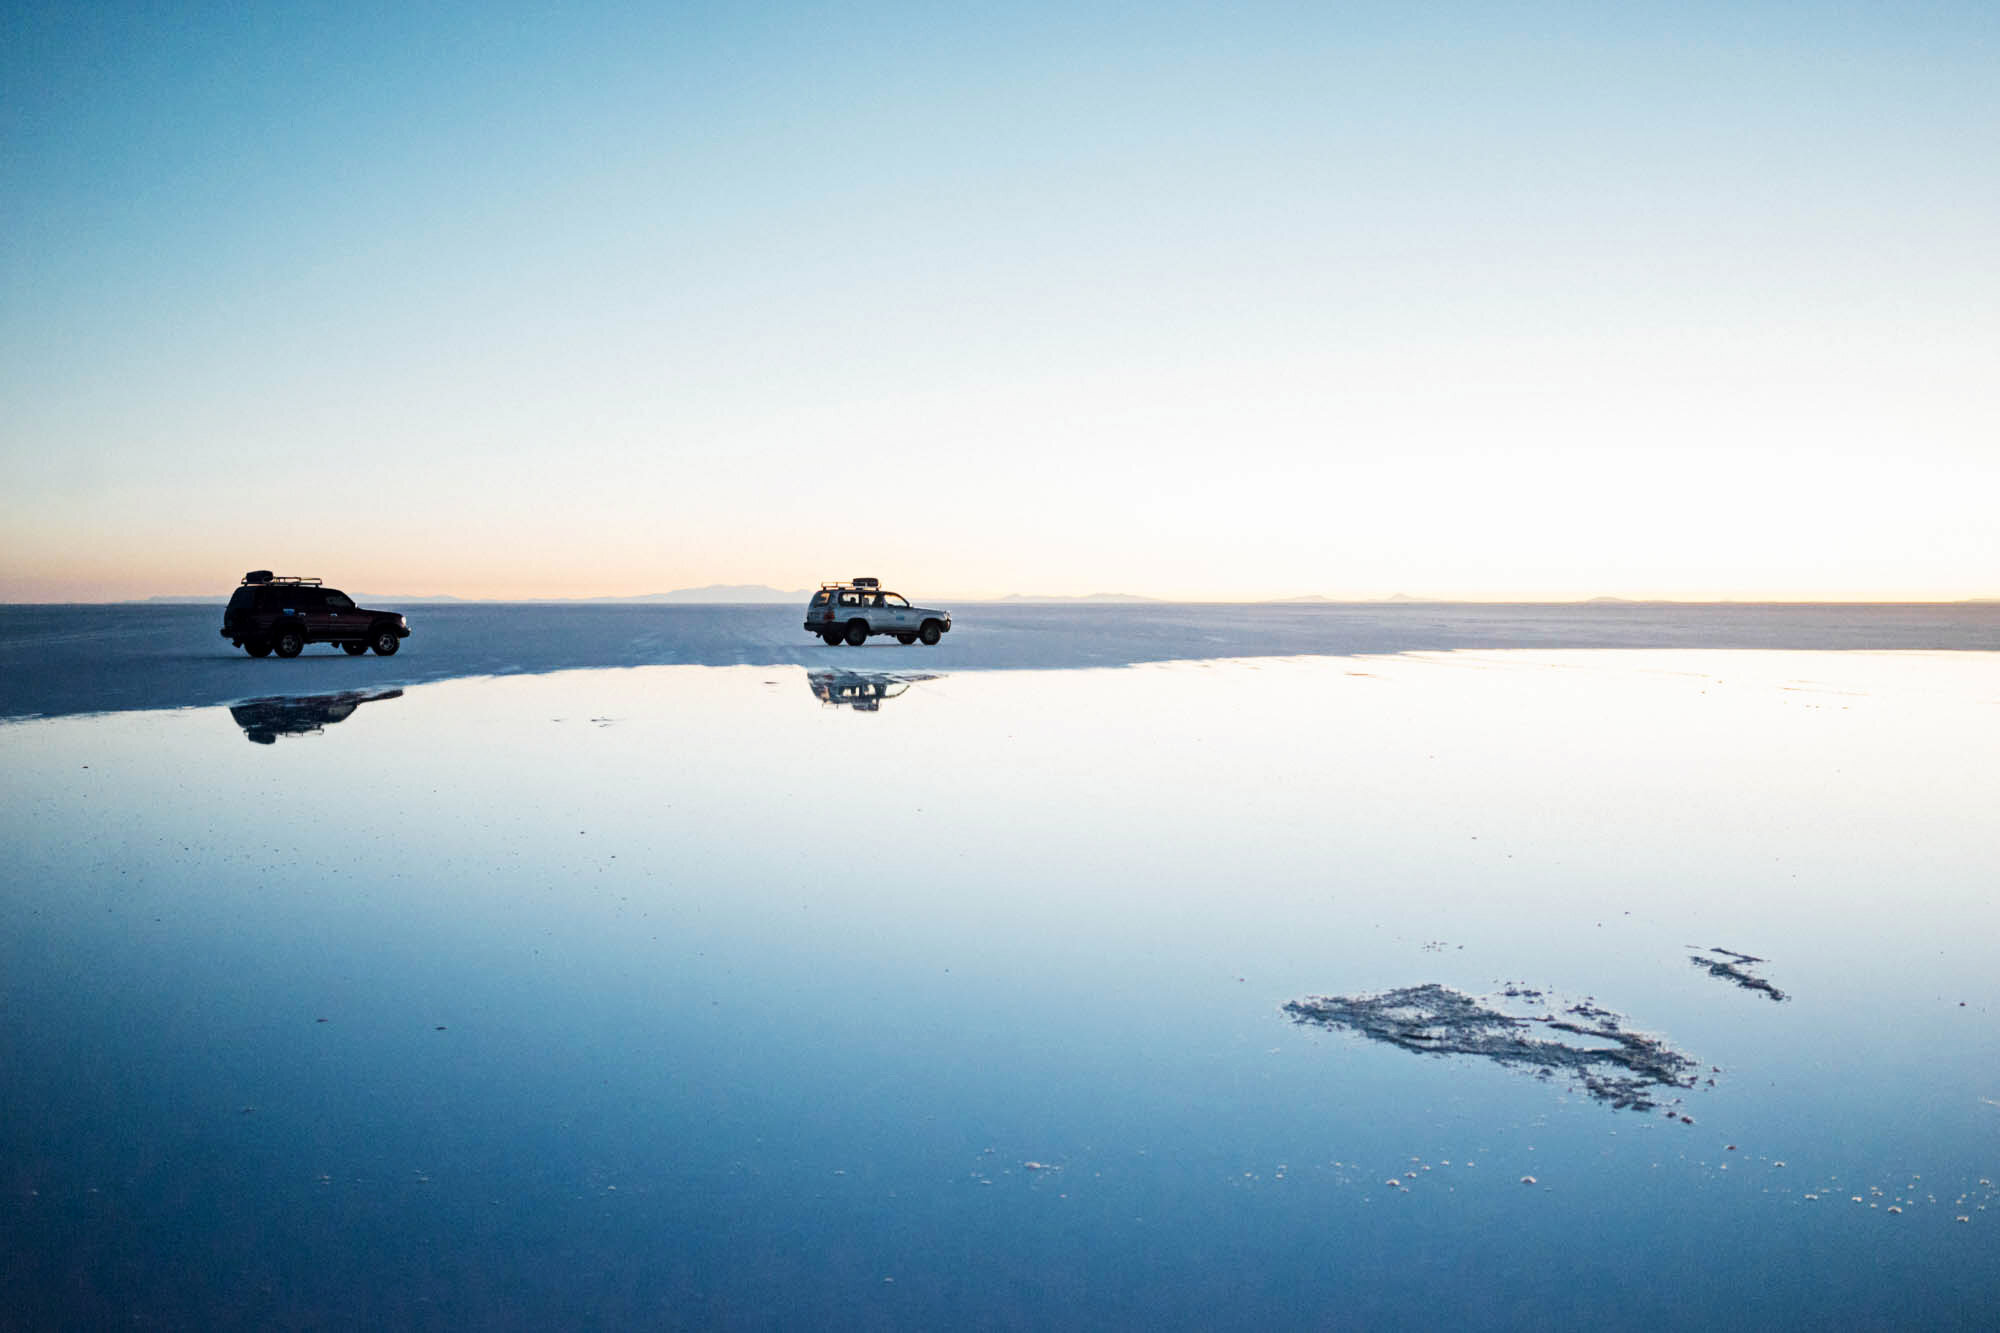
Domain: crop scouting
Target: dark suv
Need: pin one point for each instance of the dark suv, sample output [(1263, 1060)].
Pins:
[(269, 614)]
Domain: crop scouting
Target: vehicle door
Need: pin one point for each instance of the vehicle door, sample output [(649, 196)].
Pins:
[(305, 605), (852, 604), (342, 617), (897, 614), (267, 611), (310, 603)]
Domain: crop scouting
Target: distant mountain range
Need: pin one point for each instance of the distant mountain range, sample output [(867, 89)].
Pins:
[(716, 594), (713, 593), (1087, 597)]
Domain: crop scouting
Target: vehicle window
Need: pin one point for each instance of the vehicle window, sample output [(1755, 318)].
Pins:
[(850, 599), (821, 598), (895, 599), (876, 600), (339, 601), (242, 598)]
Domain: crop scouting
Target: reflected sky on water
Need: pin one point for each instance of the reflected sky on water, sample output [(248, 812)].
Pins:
[(726, 995)]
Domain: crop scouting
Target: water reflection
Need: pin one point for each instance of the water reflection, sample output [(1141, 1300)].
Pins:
[(858, 690), (670, 1027), (264, 720)]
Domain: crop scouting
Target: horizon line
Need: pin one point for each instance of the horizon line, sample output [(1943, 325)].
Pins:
[(677, 597)]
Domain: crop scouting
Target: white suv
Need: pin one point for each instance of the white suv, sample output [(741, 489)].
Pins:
[(850, 612)]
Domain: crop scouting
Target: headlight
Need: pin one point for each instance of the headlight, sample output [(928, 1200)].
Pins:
[(402, 622)]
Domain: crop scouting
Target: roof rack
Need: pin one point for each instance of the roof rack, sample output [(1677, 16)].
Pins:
[(258, 577)]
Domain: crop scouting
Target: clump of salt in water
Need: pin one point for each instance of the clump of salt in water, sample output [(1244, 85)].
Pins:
[(1733, 968), (1584, 1042)]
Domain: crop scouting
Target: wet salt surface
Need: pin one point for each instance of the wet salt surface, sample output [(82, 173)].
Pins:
[(743, 996)]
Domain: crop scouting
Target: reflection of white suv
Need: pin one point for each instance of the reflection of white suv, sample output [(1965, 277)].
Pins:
[(850, 612)]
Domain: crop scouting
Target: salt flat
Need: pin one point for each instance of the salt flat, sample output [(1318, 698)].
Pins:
[(57, 660)]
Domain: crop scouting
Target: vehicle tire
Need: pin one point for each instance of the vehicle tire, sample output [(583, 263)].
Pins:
[(354, 649), (257, 647), (906, 639), (857, 632), (930, 633), (385, 643), (289, 643), (832, 638)]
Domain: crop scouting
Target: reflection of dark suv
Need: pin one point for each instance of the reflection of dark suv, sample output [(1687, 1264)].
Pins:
[(284, 615), (264, 720)]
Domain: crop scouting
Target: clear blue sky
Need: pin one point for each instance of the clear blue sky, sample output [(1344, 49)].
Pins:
[(1246, 300)]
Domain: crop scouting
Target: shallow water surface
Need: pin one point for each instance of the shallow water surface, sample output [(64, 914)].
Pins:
[(760, 996)]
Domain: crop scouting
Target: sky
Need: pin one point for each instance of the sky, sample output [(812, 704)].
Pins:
[(1491, 301)]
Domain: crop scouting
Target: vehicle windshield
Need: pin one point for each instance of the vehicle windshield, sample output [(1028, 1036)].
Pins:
[(894, 599), (338, 600)]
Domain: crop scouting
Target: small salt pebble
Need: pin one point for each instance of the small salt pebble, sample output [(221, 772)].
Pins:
[(1393, 1183), (1894, 1209), (1527, 1180)]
